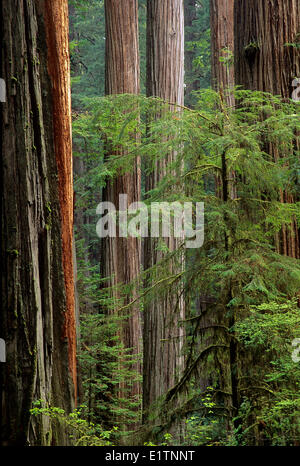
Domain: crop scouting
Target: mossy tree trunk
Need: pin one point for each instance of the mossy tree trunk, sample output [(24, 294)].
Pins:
[(37, 291)]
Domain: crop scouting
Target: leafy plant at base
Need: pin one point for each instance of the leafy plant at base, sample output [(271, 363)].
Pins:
[(104, 363), (271, 401), (80, 431)]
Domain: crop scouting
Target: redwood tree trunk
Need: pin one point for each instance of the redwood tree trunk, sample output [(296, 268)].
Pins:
[(57, 36), (264, 62), (122, 256), (37, 304), (163, 338), (222, 44)]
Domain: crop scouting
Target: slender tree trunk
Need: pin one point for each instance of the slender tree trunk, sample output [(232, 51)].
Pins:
[(163, 337), (37, 297), (122, 256), (213, 317), (265, 62)]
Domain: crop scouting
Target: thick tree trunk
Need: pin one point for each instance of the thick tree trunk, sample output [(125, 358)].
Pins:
[(222, 63), (222, 44), (122, 256), (57, 36), (163, 337), (265, 62), (165, 50), (36, 317)]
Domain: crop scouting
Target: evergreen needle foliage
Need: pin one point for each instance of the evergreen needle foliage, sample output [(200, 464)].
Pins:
[(223, 161)]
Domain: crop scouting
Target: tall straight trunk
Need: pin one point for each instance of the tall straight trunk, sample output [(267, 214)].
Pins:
[(222, 63), (265, 62), (57, 36), (37, 296), (122, 256), (222, 44), (163, 338)]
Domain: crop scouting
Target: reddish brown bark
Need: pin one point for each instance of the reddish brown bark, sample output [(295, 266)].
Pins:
[(222, 51), (122, 47), (222, 44), (265, 62), (57, 30), (33, 292), (163, 335), (122, 256)]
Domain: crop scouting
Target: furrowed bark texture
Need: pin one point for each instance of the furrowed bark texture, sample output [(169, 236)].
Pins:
[(222, 34), (165, 50), (33, 304), (57, 30), (265, 62), (163, 337), (121, 257)]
